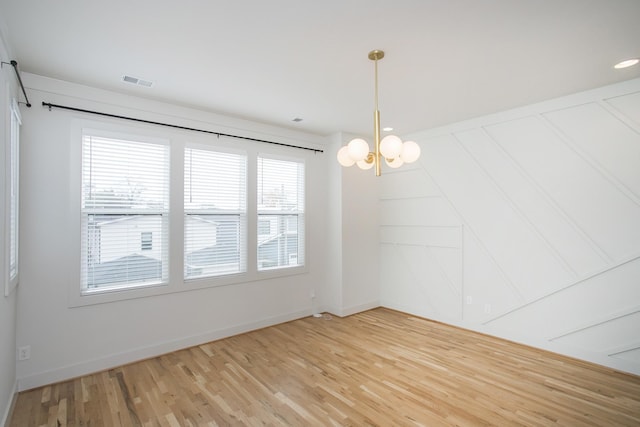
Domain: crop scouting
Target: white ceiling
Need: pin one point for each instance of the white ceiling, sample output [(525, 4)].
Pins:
[(271, 61)]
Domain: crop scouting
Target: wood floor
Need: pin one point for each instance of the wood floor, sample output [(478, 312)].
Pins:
[(380, 367)]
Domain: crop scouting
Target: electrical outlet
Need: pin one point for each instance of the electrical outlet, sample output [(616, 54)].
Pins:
[(313, 294), (469, 299), (487, 308), (24, 353)]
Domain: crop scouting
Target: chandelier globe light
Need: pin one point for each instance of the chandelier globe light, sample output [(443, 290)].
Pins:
[(391, 148)]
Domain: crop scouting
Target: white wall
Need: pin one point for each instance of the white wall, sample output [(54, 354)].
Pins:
[(525, 225), (354, 275), (331, 299), (69, 341), (8, 90), (360, 273)]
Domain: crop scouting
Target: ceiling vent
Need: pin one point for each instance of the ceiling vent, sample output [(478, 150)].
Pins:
[(137, 81)]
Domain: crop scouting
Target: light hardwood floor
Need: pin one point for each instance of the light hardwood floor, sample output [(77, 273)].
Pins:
[(380, 367)]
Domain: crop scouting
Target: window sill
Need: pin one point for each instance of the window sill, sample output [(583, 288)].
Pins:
[(104, 296)]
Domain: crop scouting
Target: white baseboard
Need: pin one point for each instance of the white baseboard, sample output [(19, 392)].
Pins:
[(113, 360), (9, 409), (348, 311), (553, 347)]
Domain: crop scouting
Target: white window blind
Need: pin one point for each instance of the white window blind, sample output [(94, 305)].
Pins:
[(14, 202), (125, 201), (280, 213), (215, 213)]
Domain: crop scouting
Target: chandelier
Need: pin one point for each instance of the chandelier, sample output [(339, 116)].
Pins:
[(395, 152)]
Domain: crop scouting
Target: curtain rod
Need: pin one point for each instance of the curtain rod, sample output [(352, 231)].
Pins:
[(81, 110), (24, 92)]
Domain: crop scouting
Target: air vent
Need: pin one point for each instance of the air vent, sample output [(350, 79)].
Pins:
[(137, 81)]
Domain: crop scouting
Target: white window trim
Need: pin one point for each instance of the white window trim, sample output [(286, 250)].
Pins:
[(77, 296), (177, 141)]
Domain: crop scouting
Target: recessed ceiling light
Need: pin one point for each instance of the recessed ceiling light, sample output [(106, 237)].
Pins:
[(627, 63), (387, 129)]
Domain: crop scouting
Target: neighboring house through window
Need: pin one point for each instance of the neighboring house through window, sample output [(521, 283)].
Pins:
[(215, 213), (125, 201), (281, 206), (146, 240), (126, 219)]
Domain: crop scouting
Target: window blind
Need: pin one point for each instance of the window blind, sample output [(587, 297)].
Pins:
[(281, 202), (215, 213), (14, 203), (125, 202)]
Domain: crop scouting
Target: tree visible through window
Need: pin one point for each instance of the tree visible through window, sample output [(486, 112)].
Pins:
[(124, 190), (125, 214)]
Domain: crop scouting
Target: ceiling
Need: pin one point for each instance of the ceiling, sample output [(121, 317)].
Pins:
[(273, 61)]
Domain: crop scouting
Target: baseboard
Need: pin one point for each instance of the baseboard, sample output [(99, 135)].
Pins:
[(9, 409), (552, 347), (119, 359), (348, 311)]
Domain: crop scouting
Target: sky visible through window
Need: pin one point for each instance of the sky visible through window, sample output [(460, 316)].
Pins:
[(119, 173)]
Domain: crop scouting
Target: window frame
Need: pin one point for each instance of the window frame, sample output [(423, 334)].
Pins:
[(177, 141)]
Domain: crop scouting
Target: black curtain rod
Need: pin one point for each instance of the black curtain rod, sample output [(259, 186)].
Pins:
[(24, 92), (81, 110)]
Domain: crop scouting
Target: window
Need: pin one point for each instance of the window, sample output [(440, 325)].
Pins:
[(215, 213), (13, 162), (162, 213), (281, 205), (146, 241), (264, 228), (124, 207)]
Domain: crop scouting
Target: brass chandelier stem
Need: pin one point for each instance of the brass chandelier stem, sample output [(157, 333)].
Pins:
[(375, 55), (376, 141)]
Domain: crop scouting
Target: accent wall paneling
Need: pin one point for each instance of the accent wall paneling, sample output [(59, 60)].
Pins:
[(605, 157), (424, 245), (548, 200), (565, 242), (486, 210), (596, 205), (627, 107)]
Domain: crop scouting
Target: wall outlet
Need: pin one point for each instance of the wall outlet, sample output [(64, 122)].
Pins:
[(24, 353), (312, 294), (469, 299), (487, 308)]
